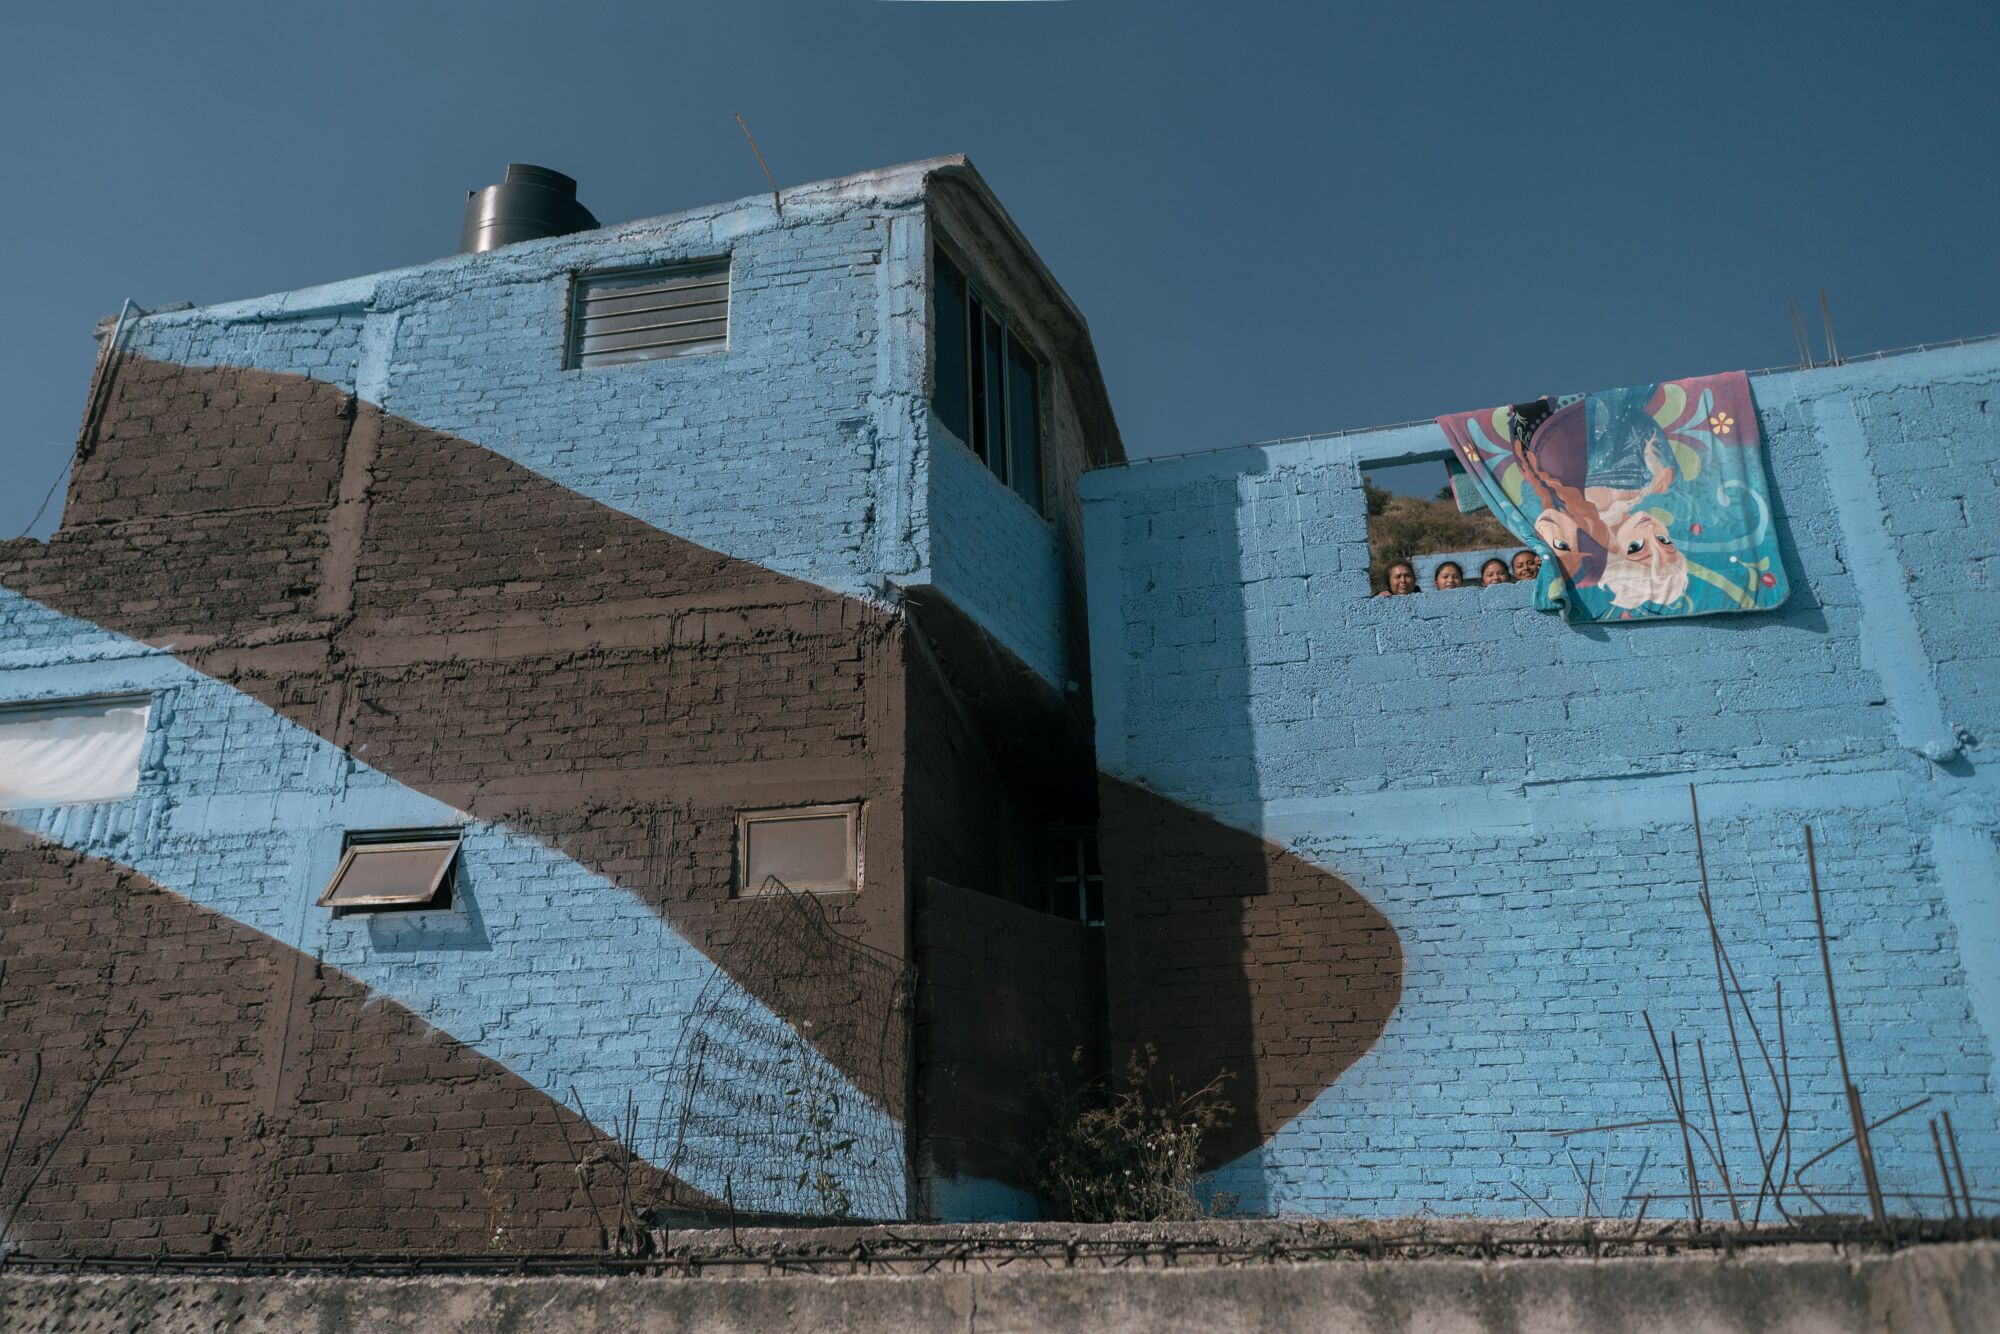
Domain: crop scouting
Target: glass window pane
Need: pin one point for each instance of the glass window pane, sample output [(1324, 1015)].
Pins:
[(1063, 899), (993, 348), (391, 874), (1024, 425), (976, 364), (953, 401), (1093, 903), (808, 852)]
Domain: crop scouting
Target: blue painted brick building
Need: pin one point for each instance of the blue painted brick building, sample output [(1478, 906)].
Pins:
[(1098, 757), (1512, 792)]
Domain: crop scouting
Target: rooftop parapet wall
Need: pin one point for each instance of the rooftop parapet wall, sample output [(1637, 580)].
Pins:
[(1240, 658), (1512, 791)]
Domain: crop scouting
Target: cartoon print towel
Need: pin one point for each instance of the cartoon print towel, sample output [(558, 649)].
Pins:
[(1644, 502)]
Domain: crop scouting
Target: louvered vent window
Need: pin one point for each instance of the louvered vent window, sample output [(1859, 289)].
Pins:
[(642, 315)]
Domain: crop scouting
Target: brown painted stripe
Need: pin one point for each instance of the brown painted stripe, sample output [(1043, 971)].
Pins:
[(1233, 955), (268, 1103), (479, 633)]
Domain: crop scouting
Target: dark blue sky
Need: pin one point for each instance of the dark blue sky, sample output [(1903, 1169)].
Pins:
[(1277, 218)]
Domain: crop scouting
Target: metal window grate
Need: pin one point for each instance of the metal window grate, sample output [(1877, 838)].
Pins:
[(647, 314), (1076, 876)]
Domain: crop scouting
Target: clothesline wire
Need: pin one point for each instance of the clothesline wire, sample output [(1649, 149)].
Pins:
[(49, 495), (107, 365)]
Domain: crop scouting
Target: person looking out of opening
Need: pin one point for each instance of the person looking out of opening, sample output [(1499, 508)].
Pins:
[(1494, 571), (1402, 578), (1526, 564), (1449, 574)]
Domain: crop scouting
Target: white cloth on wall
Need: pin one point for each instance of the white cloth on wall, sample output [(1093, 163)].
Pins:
[(57, 754)]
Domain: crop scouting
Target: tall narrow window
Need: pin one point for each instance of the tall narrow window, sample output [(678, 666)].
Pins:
[(1024, 425), (989, 391), (953, 401)]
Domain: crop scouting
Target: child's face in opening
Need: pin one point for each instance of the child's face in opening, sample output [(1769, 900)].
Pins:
[(1448, 576), (1493, 573), (1526, 565)]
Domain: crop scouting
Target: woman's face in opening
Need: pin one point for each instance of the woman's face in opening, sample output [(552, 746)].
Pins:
[(1402, 579), (1450, 576), (1491, 573)]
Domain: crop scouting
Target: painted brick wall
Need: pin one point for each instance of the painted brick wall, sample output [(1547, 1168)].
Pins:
[(346, 621), (803, 446), (793, 447), (1006, 995), (1512, 793)]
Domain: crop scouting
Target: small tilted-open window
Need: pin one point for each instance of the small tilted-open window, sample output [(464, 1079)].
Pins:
[(810, 848), (393, 870)]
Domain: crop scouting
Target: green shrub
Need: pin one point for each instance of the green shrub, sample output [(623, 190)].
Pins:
[(1122, 1150)]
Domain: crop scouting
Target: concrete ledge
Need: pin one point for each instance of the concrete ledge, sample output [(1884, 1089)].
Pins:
[(1952, 1288)]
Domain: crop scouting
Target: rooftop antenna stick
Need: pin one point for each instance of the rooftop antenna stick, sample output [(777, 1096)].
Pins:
[(1826, 315), (1799, 336), (776, 202)]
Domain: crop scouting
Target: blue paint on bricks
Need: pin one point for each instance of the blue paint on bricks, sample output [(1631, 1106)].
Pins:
[(803, 445), (1512, 793), (544, 966)]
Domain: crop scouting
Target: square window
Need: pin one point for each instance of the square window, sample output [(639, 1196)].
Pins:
[(647, 314), (393, 870), (815, 849), (65, 752)]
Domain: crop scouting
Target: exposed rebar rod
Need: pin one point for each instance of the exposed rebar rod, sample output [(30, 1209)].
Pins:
[(777, 203), (1863, 1148), (75, 1116), (1848, 1138), (34, 1086), (1715, 1122), (1951, 1138), (582, 1178), (1944, 1173), (1728, 1010), (1680, 1116)]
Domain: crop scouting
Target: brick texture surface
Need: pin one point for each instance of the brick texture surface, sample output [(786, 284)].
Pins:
[(266, 1103), (1005, 996), (1511, 794)]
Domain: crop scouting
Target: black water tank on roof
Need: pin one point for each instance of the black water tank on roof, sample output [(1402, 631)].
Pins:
[(532, 202)]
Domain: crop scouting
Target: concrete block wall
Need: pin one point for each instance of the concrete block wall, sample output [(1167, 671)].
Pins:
[(1512, 793)]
